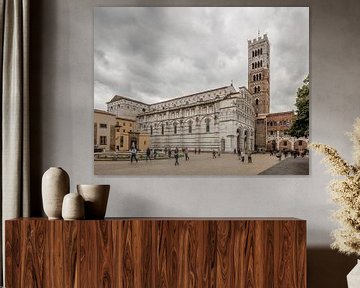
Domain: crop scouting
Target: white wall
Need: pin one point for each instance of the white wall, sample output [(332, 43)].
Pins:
[(63, 87)]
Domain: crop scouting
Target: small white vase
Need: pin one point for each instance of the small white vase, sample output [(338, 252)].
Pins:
[(353, 278), (55, 185), (95, 197), (73, 207)]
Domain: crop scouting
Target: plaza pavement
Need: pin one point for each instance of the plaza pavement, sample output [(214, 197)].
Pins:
[(203, 164), (290, 166)]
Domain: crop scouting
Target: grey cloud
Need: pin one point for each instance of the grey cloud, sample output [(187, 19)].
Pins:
[(153, 54)]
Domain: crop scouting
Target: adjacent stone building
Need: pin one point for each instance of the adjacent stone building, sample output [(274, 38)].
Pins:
[(278, 125), (112, 133), (128, 135), (104, 130)]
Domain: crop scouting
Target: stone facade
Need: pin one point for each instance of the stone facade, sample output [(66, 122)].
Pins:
[(221, 119)]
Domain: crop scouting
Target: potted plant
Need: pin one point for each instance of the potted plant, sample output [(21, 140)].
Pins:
[(345, 192)]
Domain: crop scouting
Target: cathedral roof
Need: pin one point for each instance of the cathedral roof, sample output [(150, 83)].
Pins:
[(194, 94), (118, 97)]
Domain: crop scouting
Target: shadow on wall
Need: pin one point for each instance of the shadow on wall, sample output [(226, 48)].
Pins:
[(328, 268)]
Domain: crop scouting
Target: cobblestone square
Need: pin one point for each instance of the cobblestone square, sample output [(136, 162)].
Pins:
[(204, 164)]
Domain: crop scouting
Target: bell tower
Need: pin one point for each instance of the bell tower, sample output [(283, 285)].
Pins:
[(259, 73), (259, 85)]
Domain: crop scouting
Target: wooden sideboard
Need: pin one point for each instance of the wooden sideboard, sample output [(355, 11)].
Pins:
[(156, 252)]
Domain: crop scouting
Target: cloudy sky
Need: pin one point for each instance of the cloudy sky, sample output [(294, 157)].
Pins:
[(154, 54)]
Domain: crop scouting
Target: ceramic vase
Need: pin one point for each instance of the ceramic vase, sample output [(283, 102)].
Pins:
[(96, 198), (73, 207), (353, 278), (55, 185)]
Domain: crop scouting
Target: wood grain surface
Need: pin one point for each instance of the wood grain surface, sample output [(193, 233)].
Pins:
[(162, 252)]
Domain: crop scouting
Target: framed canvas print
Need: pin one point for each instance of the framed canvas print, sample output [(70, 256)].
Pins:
[(201, 90)]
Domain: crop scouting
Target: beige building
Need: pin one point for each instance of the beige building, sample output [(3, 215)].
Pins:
[(128, 134), (104, 130)]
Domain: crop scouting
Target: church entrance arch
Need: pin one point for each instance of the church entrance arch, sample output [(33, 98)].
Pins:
[(246, 140), (238, 140), (300, 145), (222, 145), (271, 145), (285, 145)]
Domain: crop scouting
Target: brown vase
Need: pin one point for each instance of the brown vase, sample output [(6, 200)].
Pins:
[(55, 185), (96, 198)]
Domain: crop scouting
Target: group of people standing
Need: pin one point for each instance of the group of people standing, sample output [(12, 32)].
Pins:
[(149, 153), (242, 155), (286, 153)]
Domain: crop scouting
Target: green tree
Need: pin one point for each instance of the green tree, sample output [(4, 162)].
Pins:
[(300, 127)]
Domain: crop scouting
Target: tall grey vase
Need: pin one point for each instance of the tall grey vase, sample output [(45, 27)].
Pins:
[(55, 185)]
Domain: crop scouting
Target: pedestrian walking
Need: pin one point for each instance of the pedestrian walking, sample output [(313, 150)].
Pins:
[(186, 154), (199, 150), (242, 156), (148, 153), (249, 158), (278, 155), (176, 155), (195, 150), (214, 154), (133, 152)]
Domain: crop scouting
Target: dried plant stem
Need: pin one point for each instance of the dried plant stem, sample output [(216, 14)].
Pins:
[(345, 192)]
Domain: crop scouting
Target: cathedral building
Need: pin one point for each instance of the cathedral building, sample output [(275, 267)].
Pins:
[(224, 119), (221, 119)]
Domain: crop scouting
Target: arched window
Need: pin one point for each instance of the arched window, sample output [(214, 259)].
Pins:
[(257, 77), (257, 102), (258, 89), (190, 127), (175, 129), (260, 76), (260, 63), (258, 51), (252, 65), (207, 121), (162, 129), (253, 54), (261, 51), (254, 77), (151, 130)]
